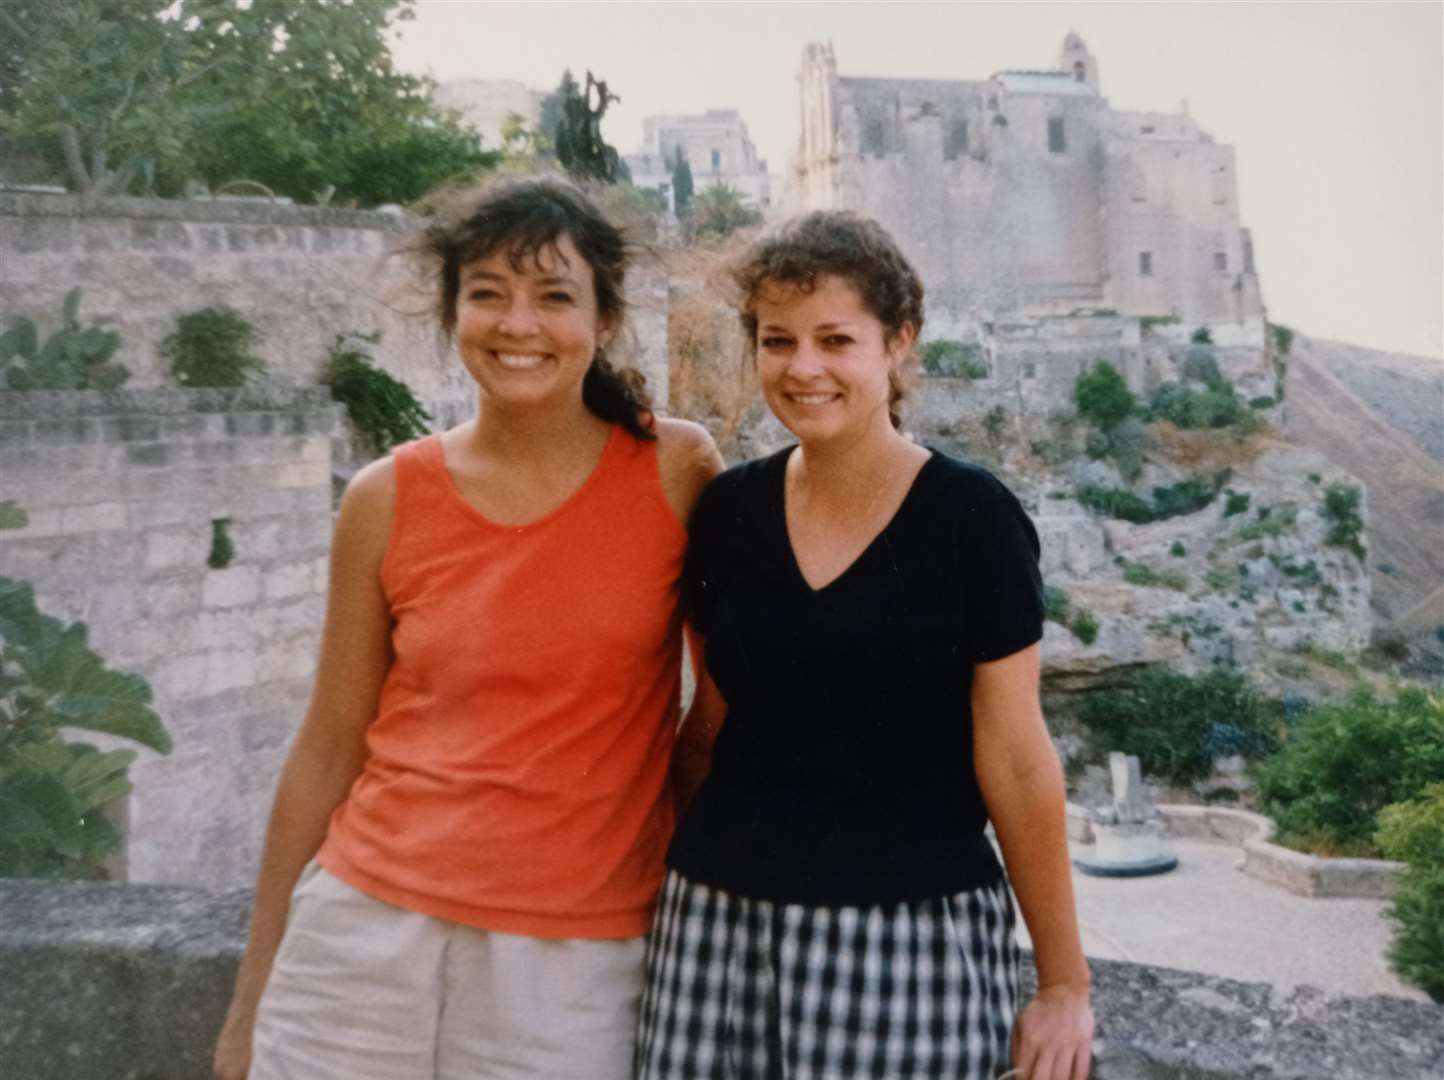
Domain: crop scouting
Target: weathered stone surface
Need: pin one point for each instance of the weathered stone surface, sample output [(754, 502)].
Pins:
[(108, 982)]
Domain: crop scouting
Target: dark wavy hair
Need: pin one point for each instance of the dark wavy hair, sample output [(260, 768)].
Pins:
[(524, 217), (846, 245)]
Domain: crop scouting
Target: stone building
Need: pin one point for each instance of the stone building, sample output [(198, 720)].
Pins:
[(1028, 193), (715, 146)]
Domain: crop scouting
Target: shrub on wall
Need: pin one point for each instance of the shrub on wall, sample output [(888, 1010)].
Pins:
[(1341, 509), (1176, 724), (1346, 762), (71, 358), (1216, 406), (1413, 833), (213, 347), (949, 357), (1185, 497), (1102, 397), (383, 410), (51, 789)]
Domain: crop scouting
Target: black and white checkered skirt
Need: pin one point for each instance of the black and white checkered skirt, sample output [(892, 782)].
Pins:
[(741, 989)]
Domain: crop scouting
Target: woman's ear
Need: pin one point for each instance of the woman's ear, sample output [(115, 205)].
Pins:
[(900, 343)]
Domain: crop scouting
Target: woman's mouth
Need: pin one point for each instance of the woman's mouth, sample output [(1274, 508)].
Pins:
[(520, 361)]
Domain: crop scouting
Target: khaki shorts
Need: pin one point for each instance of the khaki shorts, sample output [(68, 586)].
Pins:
[(362, 990)]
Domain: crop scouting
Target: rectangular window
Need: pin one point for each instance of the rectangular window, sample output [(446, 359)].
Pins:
[(1145, 264), (716, 160), (957, 141), (1220, 260), (1057, 142)]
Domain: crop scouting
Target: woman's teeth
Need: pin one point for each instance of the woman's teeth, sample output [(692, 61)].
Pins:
[(813, 399), (519, 361)]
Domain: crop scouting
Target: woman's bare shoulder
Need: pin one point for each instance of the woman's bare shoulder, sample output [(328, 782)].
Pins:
[(687, 459)]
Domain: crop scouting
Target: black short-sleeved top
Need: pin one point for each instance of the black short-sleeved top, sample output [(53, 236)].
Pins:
[(843, 773)]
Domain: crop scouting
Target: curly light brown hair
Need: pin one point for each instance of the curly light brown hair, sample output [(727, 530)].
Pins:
[(845, 245)]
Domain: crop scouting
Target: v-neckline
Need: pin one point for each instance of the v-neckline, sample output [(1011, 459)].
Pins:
[(780, 505)]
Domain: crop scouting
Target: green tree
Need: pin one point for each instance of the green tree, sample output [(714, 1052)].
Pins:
[(578, 142), (718, 211), (1102, 397), (300, 97), (552, 105), (52, 790), (682, 186), (1413, 832)]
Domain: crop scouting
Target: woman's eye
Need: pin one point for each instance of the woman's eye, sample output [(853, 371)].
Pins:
[(558, 297), (775, 342), (837, 341), (482, 294)]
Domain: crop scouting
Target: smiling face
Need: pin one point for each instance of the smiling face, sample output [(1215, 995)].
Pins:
[(527, 329), (824, 359)]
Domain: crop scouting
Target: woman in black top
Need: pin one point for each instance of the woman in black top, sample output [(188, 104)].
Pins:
[(871, 613)]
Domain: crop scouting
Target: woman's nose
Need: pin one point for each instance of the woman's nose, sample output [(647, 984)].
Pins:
[(805, 361), (519, 319)]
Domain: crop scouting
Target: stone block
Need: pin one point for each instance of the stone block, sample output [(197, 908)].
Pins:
[(249, 424), (150, 513), (167, 548), (178, 677), (231, 587), (148, 455), (15, 433), (66, 432), (93, 518), (131, 429), (294, 579), (308, 474), (227, 669)]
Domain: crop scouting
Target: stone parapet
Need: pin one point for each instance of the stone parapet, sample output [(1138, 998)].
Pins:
[(109, 982)]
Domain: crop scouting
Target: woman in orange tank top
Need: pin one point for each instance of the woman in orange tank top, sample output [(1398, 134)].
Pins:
[(468, 833)]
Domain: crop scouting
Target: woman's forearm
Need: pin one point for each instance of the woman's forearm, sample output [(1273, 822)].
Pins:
[(1029, 817)]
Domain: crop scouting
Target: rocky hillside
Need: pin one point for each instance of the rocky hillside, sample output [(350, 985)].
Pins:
[(1380, 416)]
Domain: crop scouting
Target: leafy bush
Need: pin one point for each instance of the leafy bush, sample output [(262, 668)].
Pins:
[(1261, 403), (1283, 337), (1140, 574), (382, 409), (1199, 365), (1055, 604), (1146, 323), (51, 790), (1084, 627), (212, 347), (1236, 503), (1185, 497), (1125, 444), (13, 515), (1216, 406), (1117, 503), (1345, 762), (1341, 509), (1177, 550), (958, 359), (1102, 396), (1201, 336), (1271, 521), (1413, 832), (1176, 724), (69, 359)]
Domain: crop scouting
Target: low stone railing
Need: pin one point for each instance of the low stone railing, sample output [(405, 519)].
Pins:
[(1305, 875), (130, 982)]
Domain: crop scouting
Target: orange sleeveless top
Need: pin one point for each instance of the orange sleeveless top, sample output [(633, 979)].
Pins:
[(517, 769)]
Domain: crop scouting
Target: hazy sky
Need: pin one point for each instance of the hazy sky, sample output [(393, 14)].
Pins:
[(1336, 109)]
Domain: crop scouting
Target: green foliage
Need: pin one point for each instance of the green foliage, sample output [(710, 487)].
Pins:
[(1140, 574), (1146, 323), (949, 357), (577, 139), (51, 790), (382, 409), (1177, 550), (302, 98), (1084, 627), (1271, 521), (1413, 833), (222, 549), (718, 211), (1341, 510), (1177, 724), (1185, 497), (1261, 403), (1201, 336), (1220, 578), (1199, 365), (1283, 337), (1216, 406), (682, 184), (1235, 502), (1055, 604), (1102, 396), (212, 347), (995, 425), (71, 358), (13, 515), (1345, 762)]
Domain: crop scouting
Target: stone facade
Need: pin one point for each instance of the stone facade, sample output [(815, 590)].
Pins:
[(121, 490), (1027, 192), (485, 104), (715, 145), (301, 275)]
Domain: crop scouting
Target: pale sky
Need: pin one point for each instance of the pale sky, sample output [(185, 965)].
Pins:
[(1336, 109)]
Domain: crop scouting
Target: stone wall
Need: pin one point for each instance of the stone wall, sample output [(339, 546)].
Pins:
[(121, 490), (106, 982), (301, 275)]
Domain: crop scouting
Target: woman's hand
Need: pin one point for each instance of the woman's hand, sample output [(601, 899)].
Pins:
[(232, 1059), (1053, 1035)]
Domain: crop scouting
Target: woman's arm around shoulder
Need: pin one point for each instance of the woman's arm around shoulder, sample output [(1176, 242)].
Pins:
[(1022, 785), (329, 750), (687, 459)]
